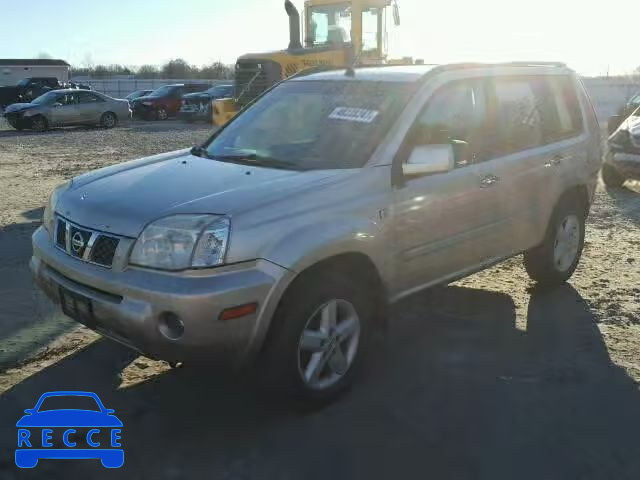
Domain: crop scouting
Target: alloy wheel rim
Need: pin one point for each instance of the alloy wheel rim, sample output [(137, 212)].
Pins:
[(328, 344), (109, 121), (567, 243)]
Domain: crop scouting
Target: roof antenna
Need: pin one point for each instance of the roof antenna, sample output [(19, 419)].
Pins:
[(351, 71)]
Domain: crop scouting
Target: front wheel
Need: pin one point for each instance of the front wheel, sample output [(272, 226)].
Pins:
[(39, 124), (611, 177), (555, 260), (320, 337)]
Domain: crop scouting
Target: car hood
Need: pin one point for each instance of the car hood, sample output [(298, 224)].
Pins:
[(18, 107), (123, 199), (69, 418)]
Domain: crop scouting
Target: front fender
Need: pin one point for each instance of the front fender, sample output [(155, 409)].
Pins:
[(307, 245)]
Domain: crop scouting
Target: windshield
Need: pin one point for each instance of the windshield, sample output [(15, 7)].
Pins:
[(162, 91), (315, 124), (329, 24), (46, 98)]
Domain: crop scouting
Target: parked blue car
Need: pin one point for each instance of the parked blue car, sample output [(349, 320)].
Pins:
[(31, 447)]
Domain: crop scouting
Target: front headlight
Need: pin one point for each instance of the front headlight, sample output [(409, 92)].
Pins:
[(180, 242), (50, 207)]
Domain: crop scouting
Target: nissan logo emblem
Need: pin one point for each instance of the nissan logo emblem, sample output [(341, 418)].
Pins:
[(77, 242)]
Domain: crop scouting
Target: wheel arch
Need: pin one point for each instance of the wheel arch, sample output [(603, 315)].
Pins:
[(355, 263)]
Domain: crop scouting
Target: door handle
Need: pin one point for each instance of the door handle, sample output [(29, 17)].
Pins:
[(488, 181), (555, 161)]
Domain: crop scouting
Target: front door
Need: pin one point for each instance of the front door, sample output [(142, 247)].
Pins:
[(65, 110), (89, 107), (449, 223)]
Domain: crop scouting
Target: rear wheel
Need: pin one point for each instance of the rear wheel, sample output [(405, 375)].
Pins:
[(39, 124), (555, 260), (108, 120), (611, 177), (322, 328), (161, 113)]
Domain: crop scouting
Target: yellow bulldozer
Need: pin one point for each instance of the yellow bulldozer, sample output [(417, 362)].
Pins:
[(336, 33)]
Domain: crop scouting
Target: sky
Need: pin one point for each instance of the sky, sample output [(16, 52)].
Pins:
[(592, 37)]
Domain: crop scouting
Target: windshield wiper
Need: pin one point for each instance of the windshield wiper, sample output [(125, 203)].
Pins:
[(257, 160)]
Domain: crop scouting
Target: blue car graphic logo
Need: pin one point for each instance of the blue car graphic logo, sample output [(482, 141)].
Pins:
[(69, 433)]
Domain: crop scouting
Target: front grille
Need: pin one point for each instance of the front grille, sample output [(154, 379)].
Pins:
[(85, 244), (104, 250), (253, 77)]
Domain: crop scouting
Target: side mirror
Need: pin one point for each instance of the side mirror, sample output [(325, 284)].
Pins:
[(396, 15), (29, 411), (57, 104), (614, 123), (429, 159), (109, 411)]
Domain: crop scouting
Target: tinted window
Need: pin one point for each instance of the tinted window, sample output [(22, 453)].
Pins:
[(456, 112)]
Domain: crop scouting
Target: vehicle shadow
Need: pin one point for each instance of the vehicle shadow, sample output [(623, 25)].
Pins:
[(456, 391), (28, 320)]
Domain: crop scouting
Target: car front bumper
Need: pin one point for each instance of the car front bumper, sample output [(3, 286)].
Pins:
[(627, 164), (129, 304)]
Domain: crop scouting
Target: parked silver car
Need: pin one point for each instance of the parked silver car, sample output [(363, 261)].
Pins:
[(68, 107), (291, 232)]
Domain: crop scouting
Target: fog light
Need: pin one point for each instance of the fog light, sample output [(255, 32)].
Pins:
[(171, 326)]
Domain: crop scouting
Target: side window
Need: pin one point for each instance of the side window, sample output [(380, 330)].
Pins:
[(68, 99), (456, 114), (563, 117), (86, 97), (518, 115)]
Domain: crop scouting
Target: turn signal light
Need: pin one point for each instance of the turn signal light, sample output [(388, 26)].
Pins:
[(239, 311)]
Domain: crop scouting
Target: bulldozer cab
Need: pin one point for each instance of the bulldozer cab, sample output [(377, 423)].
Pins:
[(362, 24)]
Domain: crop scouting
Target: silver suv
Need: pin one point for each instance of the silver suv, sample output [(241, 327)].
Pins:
[(289, 234)]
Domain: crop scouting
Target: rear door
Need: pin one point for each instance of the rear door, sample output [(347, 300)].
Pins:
[(90, 107), (537, 136)]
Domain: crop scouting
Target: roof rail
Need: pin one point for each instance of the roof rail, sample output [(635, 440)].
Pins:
[(462, 66)]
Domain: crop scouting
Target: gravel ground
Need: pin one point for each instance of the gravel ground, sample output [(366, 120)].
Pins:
[(486, 378)]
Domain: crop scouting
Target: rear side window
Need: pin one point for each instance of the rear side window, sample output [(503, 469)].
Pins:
[(563, 118), (518, 117), (535, 111)]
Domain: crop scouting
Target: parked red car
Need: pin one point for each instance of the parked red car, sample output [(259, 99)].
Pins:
[(165, 101)]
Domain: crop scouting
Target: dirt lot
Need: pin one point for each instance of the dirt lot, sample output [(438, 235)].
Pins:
[(484, 379)]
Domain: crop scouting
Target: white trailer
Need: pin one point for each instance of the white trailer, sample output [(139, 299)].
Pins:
[(12, 70)]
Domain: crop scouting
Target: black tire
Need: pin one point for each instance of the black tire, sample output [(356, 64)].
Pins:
[(611, 177), (39, 124), (108, 120), (540, 262), (162, 113), (281, 373)]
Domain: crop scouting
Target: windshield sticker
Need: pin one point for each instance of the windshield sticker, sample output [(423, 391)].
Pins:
[(361, 115)]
